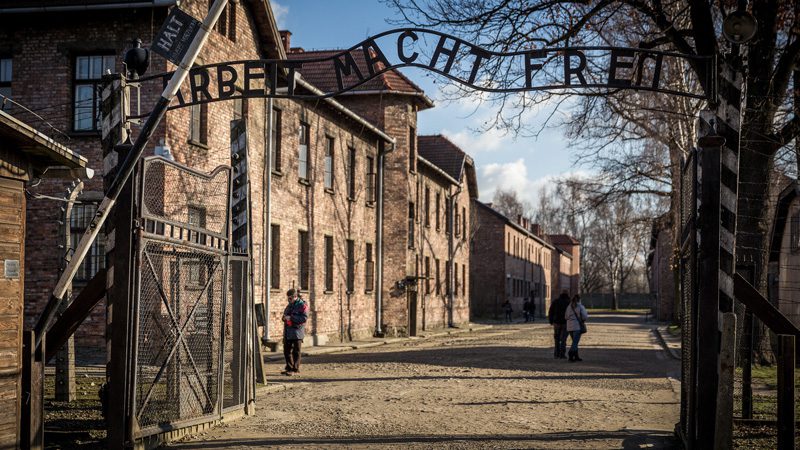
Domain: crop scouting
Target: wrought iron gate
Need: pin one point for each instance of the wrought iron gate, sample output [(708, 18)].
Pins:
[(188, 363)]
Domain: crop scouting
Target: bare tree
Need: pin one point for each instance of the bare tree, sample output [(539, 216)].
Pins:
[(508, 203), (686, 26)]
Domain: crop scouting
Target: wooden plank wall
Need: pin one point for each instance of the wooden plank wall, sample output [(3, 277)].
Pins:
[(12, 237)]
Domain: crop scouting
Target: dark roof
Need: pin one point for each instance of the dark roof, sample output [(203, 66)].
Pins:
[(563, 239), (22, 137), (445, 155), (322, 75)]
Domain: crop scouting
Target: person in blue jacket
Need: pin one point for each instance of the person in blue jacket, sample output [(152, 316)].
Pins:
[(294, 323)]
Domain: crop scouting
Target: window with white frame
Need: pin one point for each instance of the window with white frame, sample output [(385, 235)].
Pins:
[(89, 70)]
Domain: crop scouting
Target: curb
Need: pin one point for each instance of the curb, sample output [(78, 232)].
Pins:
[(663, 342), (344, 348)]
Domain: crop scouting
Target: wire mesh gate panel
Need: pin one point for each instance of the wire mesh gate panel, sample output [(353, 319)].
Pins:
[(182, 314), (688, 292)]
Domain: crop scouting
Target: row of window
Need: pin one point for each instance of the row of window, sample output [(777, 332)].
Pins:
[(433, 274), (304, 263), (459, 216), (516, 247), (524, 288), (304, 158)]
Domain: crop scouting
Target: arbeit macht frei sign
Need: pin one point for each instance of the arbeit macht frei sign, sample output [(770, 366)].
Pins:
[(598, 68)]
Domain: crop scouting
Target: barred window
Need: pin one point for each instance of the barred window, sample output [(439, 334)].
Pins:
[(427, 206), (370, 180), (302, 152), (304, 262), (438, 209), (369, 277), (329, 263), (427, 274), (463, 280), (275, 256), (95, 260), (275, 136), (455, 275), (351, 174), (351, 265), (437, 286), (412, 149), (410, 224), (328, 176)]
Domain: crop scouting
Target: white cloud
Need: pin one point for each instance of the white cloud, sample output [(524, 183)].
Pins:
[(514, 176), (280, 12), (507, 176), (473, 143)]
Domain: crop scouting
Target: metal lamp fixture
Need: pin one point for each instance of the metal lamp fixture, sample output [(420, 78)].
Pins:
[(137, 60), (740, 26)]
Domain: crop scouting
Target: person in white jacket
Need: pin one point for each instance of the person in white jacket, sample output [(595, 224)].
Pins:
[(576, 314)]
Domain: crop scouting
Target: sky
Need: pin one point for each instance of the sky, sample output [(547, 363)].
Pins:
[(522, 164)]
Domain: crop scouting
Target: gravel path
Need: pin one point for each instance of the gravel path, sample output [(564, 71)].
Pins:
[(498, 388)]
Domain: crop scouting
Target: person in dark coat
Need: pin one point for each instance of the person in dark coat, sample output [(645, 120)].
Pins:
[(556, 316), (526, 310), (294, 323), (507, 309)]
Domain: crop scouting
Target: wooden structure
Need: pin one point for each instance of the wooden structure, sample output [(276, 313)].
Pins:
[(25, 154)]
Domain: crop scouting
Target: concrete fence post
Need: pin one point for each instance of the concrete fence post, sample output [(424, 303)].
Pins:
[(727, 363)]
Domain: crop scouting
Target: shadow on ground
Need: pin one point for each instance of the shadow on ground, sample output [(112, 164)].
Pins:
[(631, 439)]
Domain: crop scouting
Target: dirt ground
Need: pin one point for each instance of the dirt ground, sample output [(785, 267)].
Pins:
[(498, 388)]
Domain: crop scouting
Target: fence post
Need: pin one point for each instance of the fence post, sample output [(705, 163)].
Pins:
[(32, 423), (706, 336), (747, 366), (727, 363), (119, 229), (786, 413)]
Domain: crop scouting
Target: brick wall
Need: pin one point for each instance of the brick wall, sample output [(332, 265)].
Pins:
[(525, 262)]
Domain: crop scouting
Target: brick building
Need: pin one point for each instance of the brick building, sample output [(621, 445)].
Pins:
[(321, 163), (566, 264), (313, 168), (417, 170), (510, 261)]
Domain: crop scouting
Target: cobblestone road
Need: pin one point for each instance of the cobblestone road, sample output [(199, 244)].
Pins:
[(498, 388)]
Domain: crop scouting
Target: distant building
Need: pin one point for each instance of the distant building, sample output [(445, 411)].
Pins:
[(509, 261), (661, 275), (783, 287), (566, 273)]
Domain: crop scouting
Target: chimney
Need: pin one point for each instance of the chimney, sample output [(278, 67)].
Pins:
[(286, 40), (536, 229)]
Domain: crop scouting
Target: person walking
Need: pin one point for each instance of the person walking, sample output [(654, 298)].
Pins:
[(507, 309), (532, 308), (526, 310), (556, 317), (294, 323), (576, 317)]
